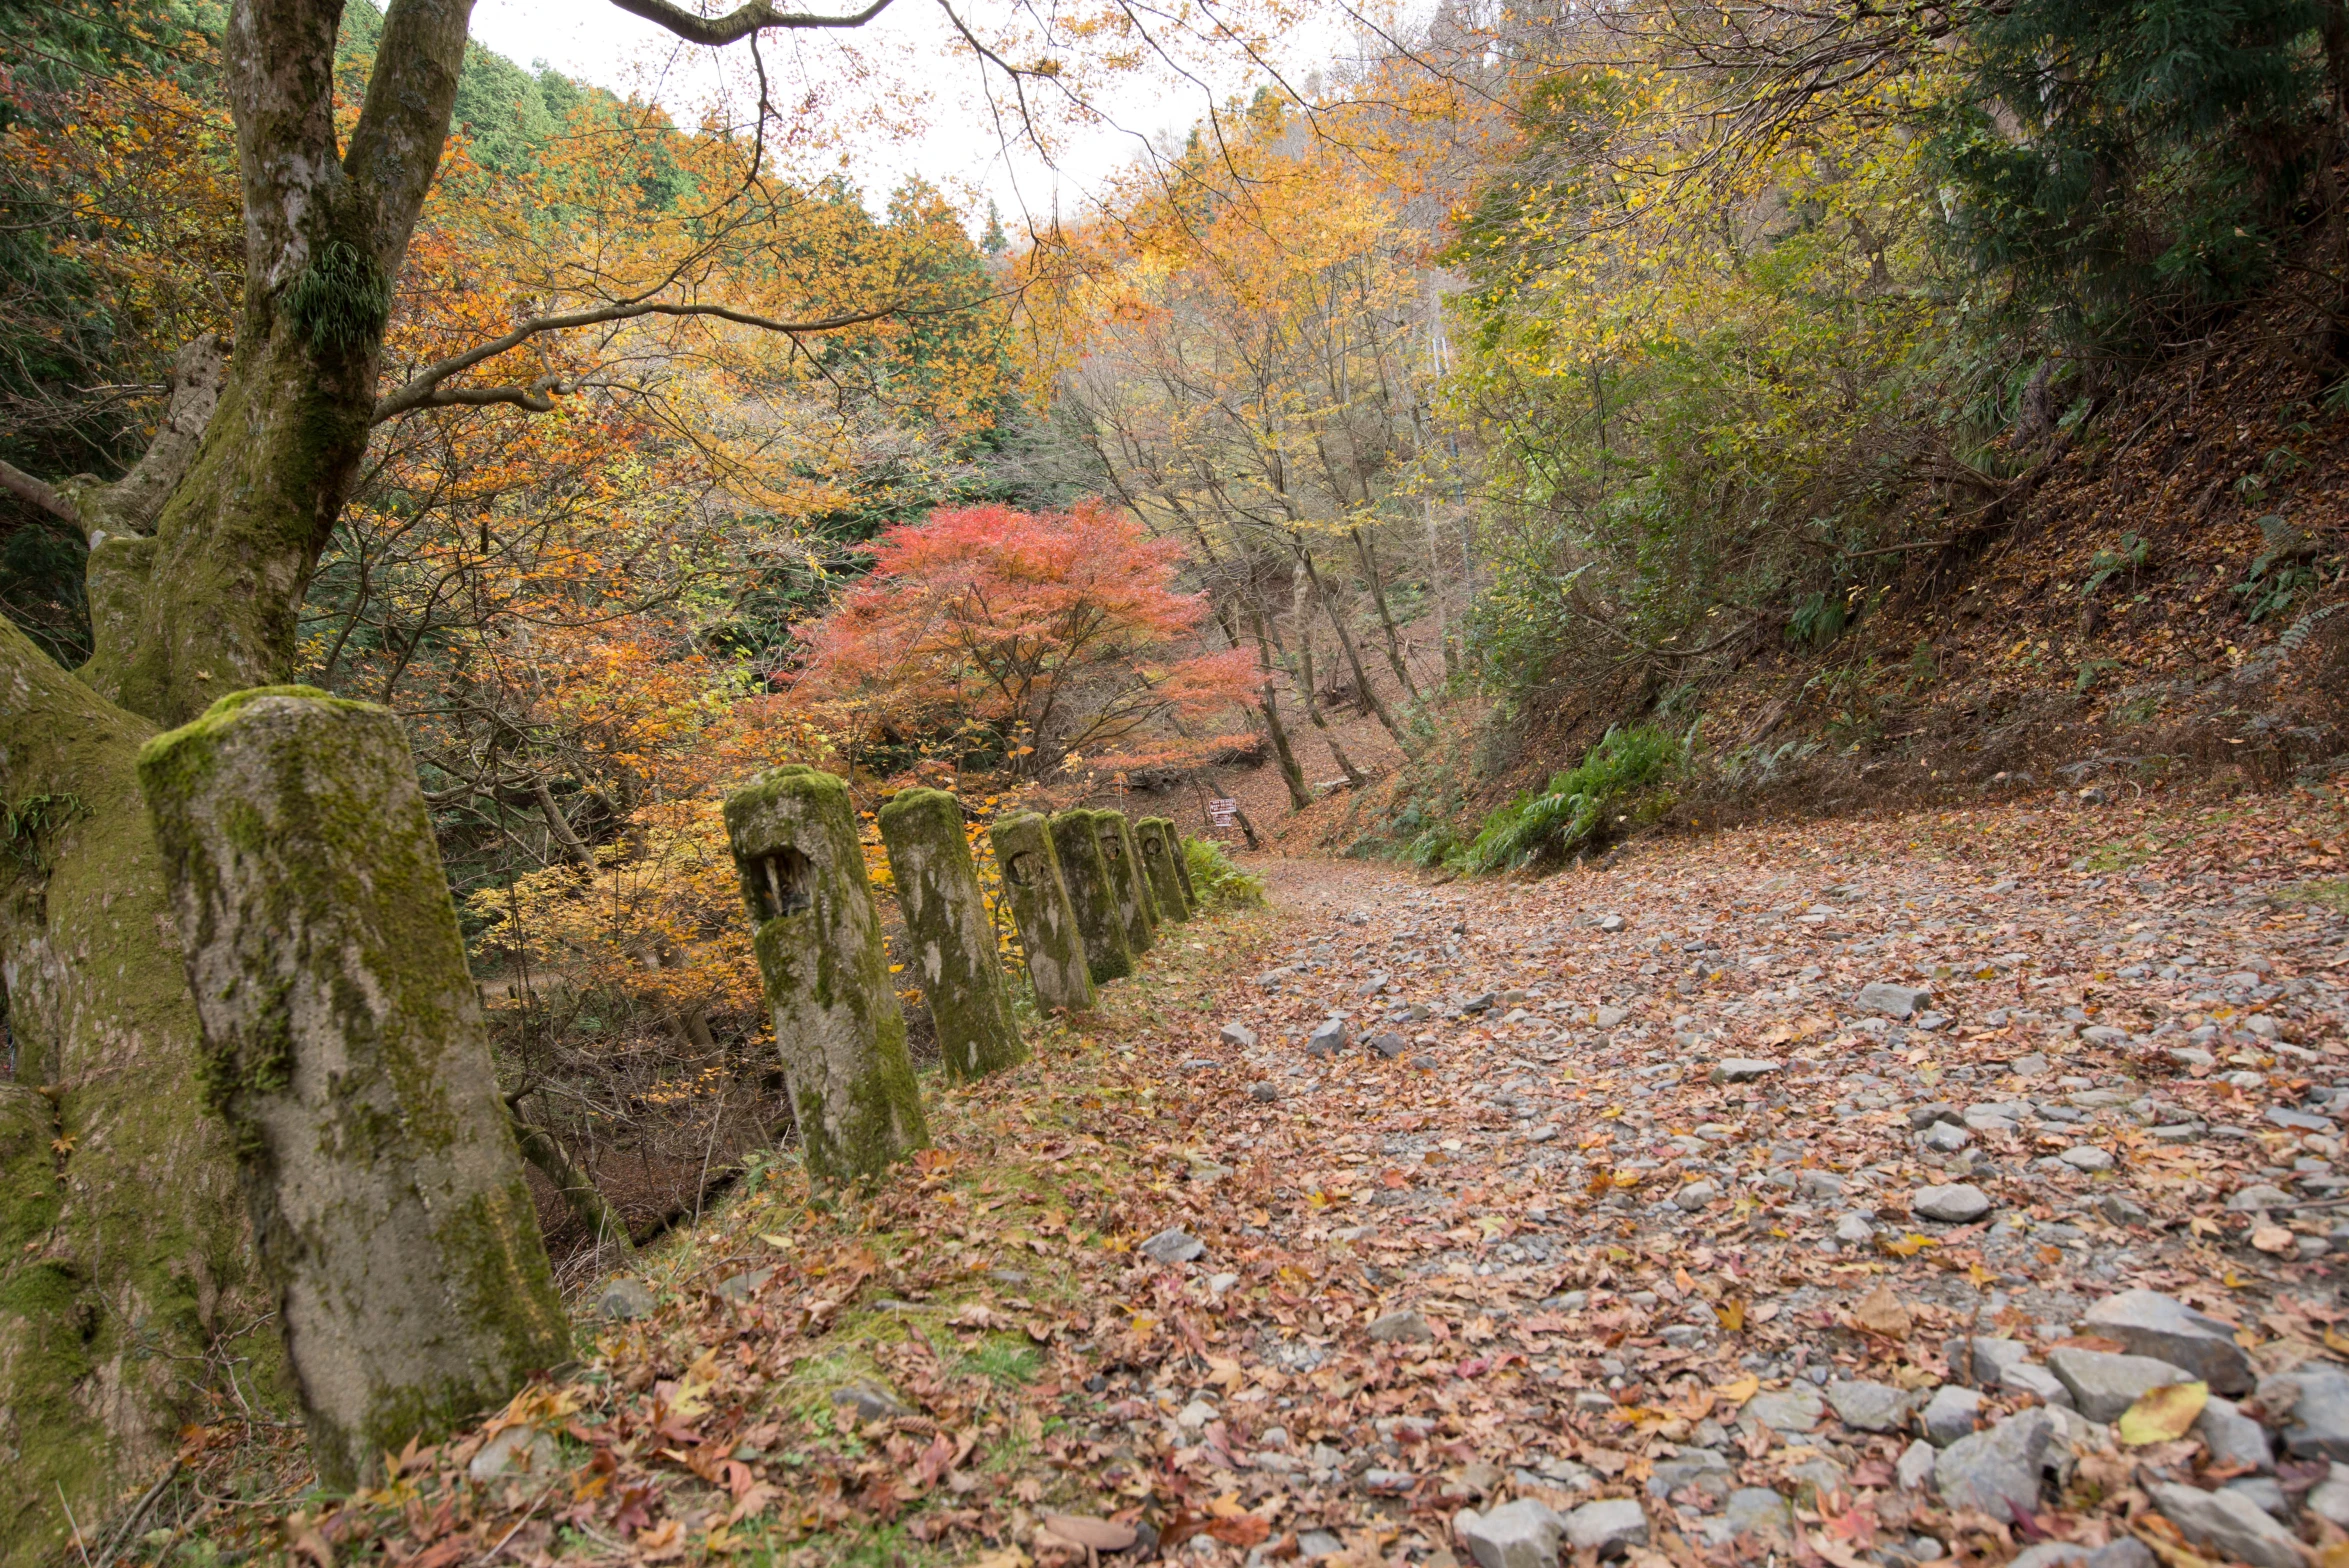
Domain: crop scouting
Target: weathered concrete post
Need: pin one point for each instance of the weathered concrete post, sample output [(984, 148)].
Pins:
[(837, 1024), (1135, 907), (344, 1045), (1155, 838), (1182, 862), (953, 940), (1047, 921), (1093, 895)]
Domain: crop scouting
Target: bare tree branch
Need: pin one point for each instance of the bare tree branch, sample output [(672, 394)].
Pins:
[(741, 22), (39, 493), (421, 389)]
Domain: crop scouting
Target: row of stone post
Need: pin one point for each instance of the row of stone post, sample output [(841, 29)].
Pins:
[(346, 1049)]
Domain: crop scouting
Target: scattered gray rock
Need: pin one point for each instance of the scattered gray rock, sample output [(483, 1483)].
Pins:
[(1700, 1468), (2229, 1523), (1945, 1138), (1815, 1183), (1237, 1034), (1523, 1534), (2258, 1198), (1756, 1510), (1955, 1203), (1264, 1093), (1870, 1407), (1743, 1069), (1949, 1414), (2127, 1552), (865, 1402), (517, 1450), (741, 1287), (2087, 1157), (1610, 1017), (2103, 1385), (624, 1300), (1915, 1467), (1997, 1471), (1982, 1358), (1173, 1245), (2299, 1121), (2316, 1398), (2233, 1438), (1696, 1195), (1314, 1545), (2050, 1554), (2120, 1210), (2152, 1324), (1784, 1410), (2329, 1498), (1608, 1526), (1923, 1116), (1328, 1038), (1897, 1001), (1610, 923), (1389, 1044), (2264, 1491), (2028, 1377), (1406, 1327), (1855, 1230)]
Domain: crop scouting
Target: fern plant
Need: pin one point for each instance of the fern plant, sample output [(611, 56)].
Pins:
[(1579, 807)]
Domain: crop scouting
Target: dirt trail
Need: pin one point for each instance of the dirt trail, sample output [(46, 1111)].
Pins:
[(1649, 1197)]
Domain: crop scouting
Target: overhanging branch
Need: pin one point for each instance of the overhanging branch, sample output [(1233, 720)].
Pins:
[(423, 390), (742, 21), (38, 493)]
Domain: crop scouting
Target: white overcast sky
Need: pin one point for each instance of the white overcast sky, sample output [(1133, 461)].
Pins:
[(959, 149)]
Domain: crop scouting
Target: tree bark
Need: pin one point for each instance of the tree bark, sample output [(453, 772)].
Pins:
[(1269, 704), (1386, 616), (579, 1191), (1337, 623), (1301, 674)]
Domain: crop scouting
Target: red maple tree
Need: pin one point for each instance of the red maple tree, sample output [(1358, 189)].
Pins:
[(1025, 637)]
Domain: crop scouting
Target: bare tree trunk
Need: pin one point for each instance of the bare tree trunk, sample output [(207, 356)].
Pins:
[(1337, 623), (1386, 617), (1299, 796), (1301, 672)]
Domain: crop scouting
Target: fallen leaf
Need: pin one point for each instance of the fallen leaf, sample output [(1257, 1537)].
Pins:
[(1241, 1530), (1102, 1535), (2272, 1238), (1881, 1312), (2163, 1415)]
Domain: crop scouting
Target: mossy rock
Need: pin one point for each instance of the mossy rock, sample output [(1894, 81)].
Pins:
[(1137, 911), (1161, 854)]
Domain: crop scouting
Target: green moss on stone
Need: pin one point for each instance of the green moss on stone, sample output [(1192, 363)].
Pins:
[(953, 954), (1135, 908), (1093, 895), (1154, 837), (1049, 933)]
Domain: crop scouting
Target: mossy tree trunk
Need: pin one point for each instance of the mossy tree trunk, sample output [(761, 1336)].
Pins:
[(1049, 933), (952, 939), (1154, 837), (838, 1027), (344, 1045), (1136, 910), (1093, 895)]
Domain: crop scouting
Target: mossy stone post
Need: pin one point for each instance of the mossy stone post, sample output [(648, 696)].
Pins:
[(838, 1028), (1155, 837), (1135, 907), (343, 1043), (1093, 895), (953, 940), (1047, 921), (1182, 862)]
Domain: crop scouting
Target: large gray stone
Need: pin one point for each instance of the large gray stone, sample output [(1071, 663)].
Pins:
[(1997, 1471), (1949, 1414), (2329, 1498), (1898, 1001), (1609, 1526), (623, 1300), (1328, 1038), (1954, 1203), (1700, 1468), (2315, 1400), (2029, 1377), (1785, 1410), (517, 1450), (1522, 1534), (2232, 1437), (1174, 1245), (1981, 1358), (2152, 1324), (1870, 1407), (1916, 1465), (1401, 1328), (2127, 1552), (2104, 1385), (2229, 1523), (1743, 1069), (2050, 1554), (1757, 1510)]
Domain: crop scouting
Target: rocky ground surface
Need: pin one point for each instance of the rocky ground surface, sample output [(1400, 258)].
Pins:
[(1951, 1186)]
